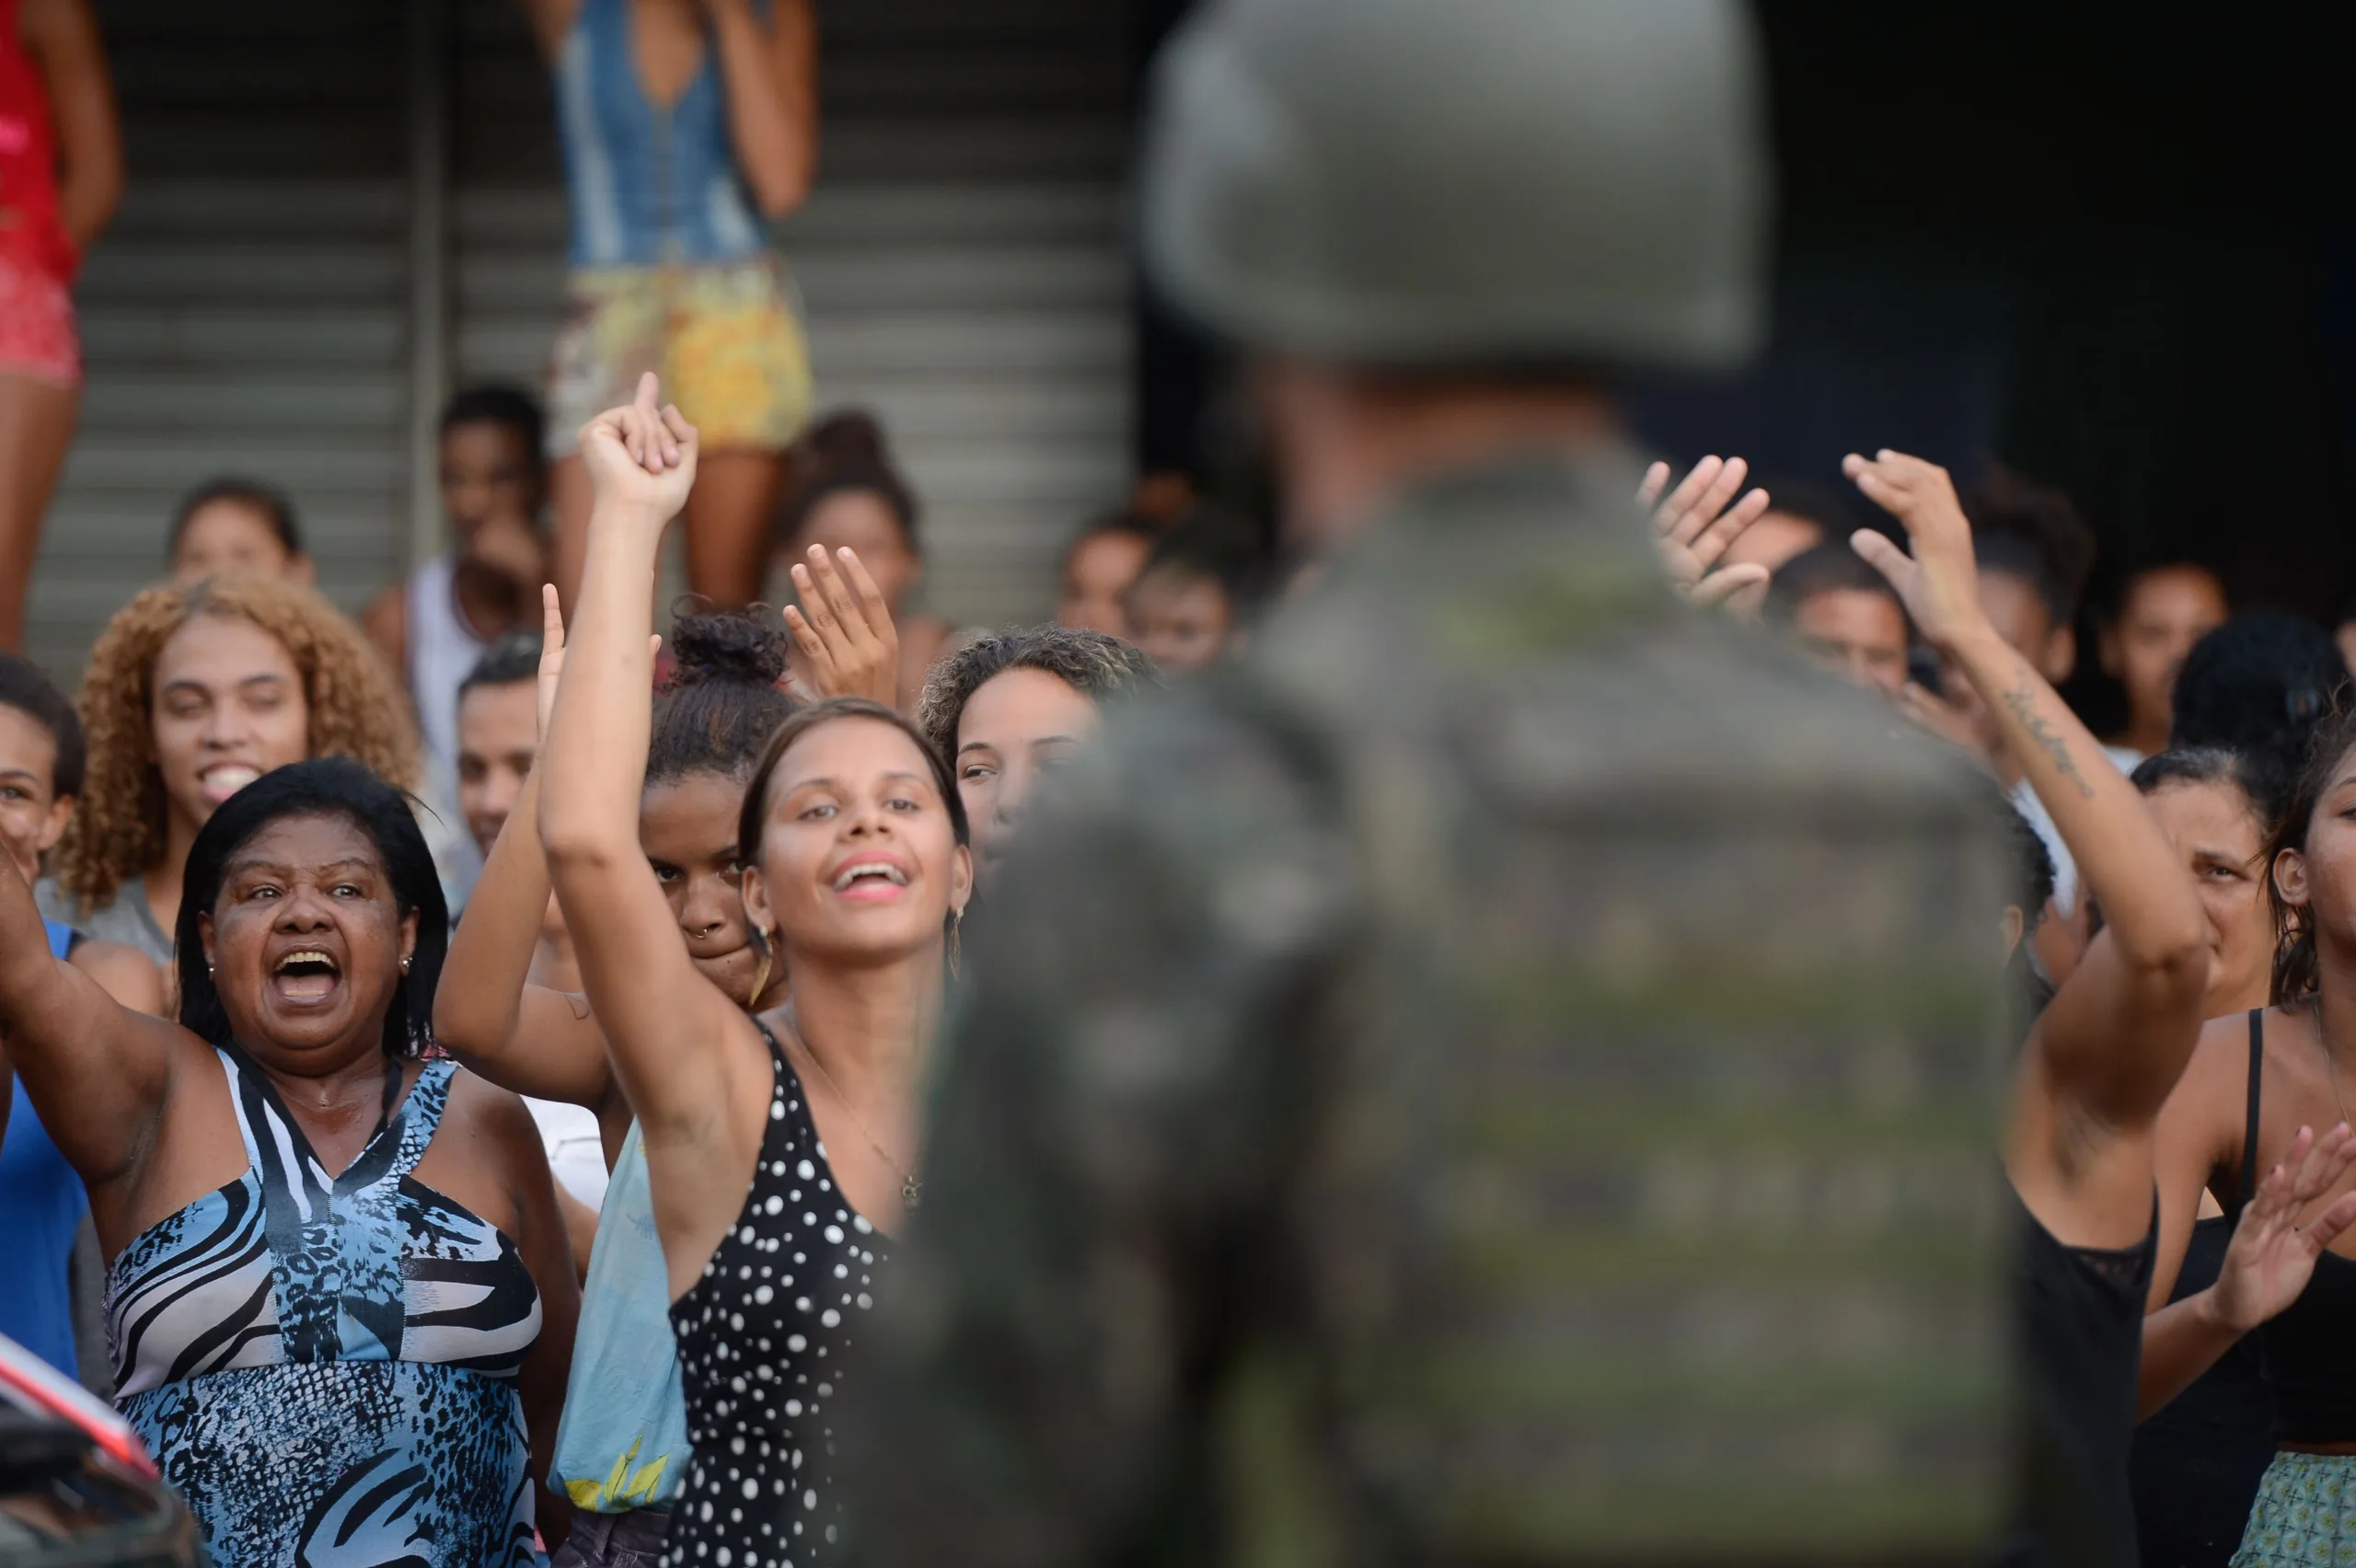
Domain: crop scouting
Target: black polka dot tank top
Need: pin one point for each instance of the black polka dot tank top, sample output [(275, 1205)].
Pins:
[(762, 1337)]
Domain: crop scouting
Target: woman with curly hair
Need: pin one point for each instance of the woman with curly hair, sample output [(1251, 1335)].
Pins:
[(1009, 710), (192, 694)]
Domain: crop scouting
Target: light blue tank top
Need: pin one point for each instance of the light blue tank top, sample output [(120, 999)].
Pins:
[(623, 1441), (41, 1208), (648, 185)]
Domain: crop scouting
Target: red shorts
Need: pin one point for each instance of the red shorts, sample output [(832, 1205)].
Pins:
[(37, 333)]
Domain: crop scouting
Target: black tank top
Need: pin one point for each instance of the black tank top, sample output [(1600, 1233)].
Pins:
[(2081, 1328), (2198, 1461), (2306, 1351)]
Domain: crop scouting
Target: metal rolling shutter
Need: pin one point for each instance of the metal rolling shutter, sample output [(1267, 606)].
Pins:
[(247, 312), (962, 258)]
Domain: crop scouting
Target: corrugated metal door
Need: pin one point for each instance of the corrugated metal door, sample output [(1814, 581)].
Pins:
[(962, 258), (248, 310)]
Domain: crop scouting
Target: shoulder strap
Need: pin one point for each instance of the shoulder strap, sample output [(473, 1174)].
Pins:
[(61, 937), (247, 1110), (2249, 1124)]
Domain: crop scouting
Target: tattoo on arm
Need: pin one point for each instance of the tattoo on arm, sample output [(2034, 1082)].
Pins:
[(2024, 708)]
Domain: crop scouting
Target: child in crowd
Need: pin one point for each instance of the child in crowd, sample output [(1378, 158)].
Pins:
[(1099, 565), (1844, 616), (850, 497), (435, 626), (1187, 607), (236, 528), (2163, 611)]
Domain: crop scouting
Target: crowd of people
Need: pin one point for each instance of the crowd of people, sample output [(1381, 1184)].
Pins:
[(1135, 1086)]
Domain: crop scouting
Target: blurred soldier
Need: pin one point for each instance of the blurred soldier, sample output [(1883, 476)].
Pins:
[(1503, 1072)]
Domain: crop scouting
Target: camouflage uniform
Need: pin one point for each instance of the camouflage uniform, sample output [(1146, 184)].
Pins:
[(1504, 1075)]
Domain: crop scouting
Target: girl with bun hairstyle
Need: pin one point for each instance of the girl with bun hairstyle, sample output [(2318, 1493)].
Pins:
[(622, 1451), (852, 503)]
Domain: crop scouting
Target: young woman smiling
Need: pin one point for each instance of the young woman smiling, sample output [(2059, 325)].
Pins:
[(781, 1148), (192, 694)]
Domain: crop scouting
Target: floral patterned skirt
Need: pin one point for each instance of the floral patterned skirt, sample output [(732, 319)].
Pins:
[(725, 337), (2305, 1514)]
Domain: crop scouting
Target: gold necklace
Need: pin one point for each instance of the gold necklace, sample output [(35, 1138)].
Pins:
[(911, 1190)]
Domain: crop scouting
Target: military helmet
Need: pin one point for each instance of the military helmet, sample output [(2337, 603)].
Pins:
[(1463, 183)]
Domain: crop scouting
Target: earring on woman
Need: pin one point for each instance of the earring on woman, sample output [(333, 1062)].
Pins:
[(956, 928), (404, 965), (761, 974)]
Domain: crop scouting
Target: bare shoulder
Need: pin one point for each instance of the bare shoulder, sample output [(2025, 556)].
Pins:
[(2215, 1084), (484, 1113), (123, 973)]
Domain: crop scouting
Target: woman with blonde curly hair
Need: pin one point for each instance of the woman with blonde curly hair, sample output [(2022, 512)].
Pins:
[(192, 694)]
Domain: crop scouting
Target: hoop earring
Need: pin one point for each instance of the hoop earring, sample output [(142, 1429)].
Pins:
[(956, 947), (761, 974)]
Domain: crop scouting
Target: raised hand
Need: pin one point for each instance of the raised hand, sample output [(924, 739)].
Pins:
[(1940, 580), (1692, 529), (552, 653), (2272, 1256), (845, 629), (641, 458)]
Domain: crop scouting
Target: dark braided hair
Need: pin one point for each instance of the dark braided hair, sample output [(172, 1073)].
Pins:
[(723, 700)]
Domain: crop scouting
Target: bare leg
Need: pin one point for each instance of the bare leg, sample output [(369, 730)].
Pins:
[(568, 490), (36, 427), (729, 517)]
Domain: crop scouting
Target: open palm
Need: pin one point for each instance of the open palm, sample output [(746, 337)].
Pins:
[(2272, 1256)]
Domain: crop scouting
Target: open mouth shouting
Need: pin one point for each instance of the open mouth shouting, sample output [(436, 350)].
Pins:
[(871, 878), (224, 779), (305, 977)]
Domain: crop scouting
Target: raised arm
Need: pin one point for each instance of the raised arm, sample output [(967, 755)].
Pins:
[(770, 71), (520, 1036), (64, 38), (2116, 1038), (666, 1027), (97, 1071)]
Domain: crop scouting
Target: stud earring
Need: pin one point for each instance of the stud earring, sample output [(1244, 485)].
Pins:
[(404, 965)]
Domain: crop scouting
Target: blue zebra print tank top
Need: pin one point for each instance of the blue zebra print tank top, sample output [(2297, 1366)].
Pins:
[(326, 1366)]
